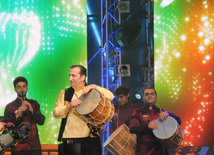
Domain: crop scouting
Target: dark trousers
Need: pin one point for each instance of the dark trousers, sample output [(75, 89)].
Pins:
[(82, 146), (27, 152)]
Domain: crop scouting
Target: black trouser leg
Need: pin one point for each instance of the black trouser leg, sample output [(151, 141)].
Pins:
[(72, 149)]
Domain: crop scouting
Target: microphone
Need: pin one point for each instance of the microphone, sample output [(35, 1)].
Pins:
[(23, 99), (23, 96)]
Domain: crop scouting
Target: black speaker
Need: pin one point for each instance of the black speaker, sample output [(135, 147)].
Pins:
[(127, 35)]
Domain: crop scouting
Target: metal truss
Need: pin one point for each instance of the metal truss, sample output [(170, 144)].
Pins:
[(148, 72), (110, 57)]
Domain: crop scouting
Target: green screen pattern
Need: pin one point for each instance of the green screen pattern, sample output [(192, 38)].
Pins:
[(40, 40)]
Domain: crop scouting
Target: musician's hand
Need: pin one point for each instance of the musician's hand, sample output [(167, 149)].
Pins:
[(102, 127), (20, 110), (73, 103), (163, 115), (115, 116), (153, 125), (2, 126), (88, 88), (29, 107)]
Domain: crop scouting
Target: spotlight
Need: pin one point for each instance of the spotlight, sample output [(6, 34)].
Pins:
[(124, 70), (124, 6), (137, 96)]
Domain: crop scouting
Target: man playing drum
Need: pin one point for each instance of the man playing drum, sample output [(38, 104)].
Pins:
[(124, 108), (79, 137), (143, 123), (121, 140)]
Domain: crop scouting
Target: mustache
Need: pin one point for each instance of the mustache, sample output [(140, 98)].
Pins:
[(22, 94)]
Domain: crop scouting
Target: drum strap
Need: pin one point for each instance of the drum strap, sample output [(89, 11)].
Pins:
[(94, 131), (68, 96)]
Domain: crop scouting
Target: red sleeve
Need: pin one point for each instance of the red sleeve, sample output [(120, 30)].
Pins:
[(136, 124)]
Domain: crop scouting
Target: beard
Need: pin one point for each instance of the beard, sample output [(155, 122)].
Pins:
[(149, 103), (22, 95)]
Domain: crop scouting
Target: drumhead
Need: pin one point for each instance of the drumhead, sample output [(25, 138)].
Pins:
[(89, 102), (171, 126)]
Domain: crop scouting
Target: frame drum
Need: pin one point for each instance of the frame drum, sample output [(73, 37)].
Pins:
[(169, 133)]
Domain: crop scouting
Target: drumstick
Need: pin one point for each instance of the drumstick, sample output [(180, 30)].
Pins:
[(164, 127), (149, 117), (164, 124), (106, 130)]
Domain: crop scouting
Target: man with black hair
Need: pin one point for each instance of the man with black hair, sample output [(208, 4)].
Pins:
[(23, 110), (143, 122), (79, 137), (124, 109)]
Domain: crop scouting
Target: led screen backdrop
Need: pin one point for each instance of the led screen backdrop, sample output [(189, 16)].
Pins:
[(184, 65), (41, 39)]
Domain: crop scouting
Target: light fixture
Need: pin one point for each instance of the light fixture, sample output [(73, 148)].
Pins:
[(124, 7), (136, 98), (124, 70)]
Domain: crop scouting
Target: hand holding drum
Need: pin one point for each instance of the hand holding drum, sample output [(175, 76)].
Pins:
[(163, 115), (152, 124), (87, 89), (73, 103), (76, 102), (169, 133)]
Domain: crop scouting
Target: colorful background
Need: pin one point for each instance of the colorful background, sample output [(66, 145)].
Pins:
[(184, 65), (40, 40)]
